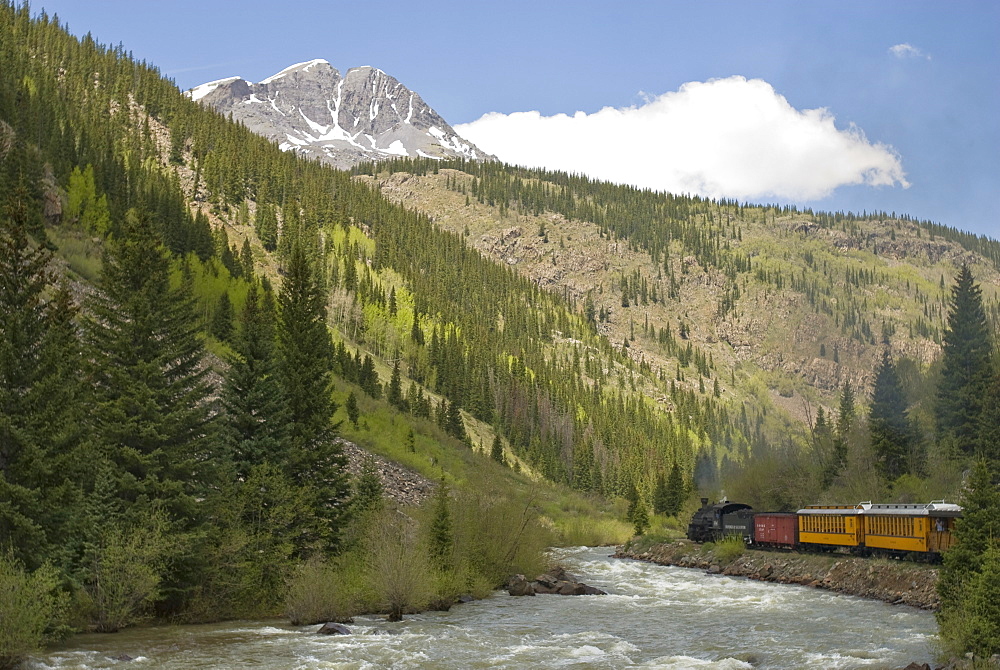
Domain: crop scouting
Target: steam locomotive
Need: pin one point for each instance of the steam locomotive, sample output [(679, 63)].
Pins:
[(899, 530)]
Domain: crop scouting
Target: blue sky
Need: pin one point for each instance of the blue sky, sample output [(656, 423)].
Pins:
[(929, 112)]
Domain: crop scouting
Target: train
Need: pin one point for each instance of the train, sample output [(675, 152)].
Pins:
[(921, 531)]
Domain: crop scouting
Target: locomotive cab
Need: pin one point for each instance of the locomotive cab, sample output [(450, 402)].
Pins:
[(715, 521)]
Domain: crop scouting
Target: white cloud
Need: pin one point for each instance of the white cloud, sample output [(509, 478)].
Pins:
[(906, 50), (733, 137)]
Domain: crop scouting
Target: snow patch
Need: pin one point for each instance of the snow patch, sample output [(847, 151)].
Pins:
[(409, 115), (396, 149), (305, 67), (200, 91), (316, 128), (253, 99), (423, 155), (271, 100)]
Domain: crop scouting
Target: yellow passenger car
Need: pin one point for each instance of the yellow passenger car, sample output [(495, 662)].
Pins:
[(921, 528), (831, 525)]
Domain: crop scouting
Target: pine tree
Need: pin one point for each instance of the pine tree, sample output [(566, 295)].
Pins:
[(661, 495), (640, 518), (453, 423), (441, 541), (353, 413), (496, 451), (676, 489), (888, 425), (846, 418), (969, 571), (966, 366), (252, 396), (368, 489), (394, 393), (221, 325), (152, 411), (989, 425), (41, 398), (314, 459)]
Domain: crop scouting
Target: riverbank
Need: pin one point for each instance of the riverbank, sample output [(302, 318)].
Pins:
[(896, 582)]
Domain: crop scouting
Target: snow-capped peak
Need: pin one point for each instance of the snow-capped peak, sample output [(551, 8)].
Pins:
[(363, 115)]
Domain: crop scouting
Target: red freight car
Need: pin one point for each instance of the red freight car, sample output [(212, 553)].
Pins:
[(774, 529)]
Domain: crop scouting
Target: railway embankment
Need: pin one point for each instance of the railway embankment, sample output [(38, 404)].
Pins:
[(893, 581)]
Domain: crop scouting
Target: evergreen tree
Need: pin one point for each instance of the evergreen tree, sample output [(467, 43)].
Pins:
[(661, 495), (40, 397), (152, 411), (453, 424), (314, 459), (368, 488), (968, 576), (152, 418), (353, 413), (222, 319), (252, 396), (496, 451), (676, 490), (966, 366), (989, 425), (394, 393), (442, 540), (846, 420), (888, 425), (640, 517)]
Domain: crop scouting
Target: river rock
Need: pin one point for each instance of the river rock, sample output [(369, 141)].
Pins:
[(463, 599), (571, 589), (559, 582), (331, 628), (517, 585)]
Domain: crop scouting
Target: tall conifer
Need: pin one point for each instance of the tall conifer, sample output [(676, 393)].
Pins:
[(888, 425), (255, 409), (313, 458), (966, 366), (152, 412)]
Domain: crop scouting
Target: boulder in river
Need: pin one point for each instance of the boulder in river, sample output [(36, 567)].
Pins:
[(332, 628), (559, 582), (517, 585)]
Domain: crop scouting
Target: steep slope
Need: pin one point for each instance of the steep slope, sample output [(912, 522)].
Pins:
[(364, 115)]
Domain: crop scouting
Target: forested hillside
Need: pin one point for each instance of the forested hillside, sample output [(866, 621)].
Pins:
[(773, 311)]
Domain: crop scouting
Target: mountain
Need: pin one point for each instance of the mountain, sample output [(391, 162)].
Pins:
[(365, 115)]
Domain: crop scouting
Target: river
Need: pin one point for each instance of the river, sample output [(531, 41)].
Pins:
[(653, 617)]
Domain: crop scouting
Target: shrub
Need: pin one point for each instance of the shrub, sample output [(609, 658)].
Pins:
[(123, 579), (29, 607), (318, 593), (398, 570), (729, 549)]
